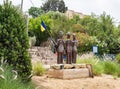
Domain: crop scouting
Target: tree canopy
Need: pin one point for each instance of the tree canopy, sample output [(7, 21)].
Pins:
[(35, 11), (54, 5)]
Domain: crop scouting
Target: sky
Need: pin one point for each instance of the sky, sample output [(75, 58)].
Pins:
[(111, 7)]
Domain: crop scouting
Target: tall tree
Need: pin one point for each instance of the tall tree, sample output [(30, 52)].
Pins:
[(35, 11), (14, 42), (54, 5), (61, 6)]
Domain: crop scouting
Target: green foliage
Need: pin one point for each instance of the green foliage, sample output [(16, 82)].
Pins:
[(59, 23), (118, 57), (107, 33), (85, 42), (99, 68), (102, 67), (77, 28), (87, 61), (61, 6), (112, 68), (14, 42), (103, 28), (97, 30), (35, 29), (38, 69), (35, 11), (10, 80), (91, 25), (54, 5), (55, 21)]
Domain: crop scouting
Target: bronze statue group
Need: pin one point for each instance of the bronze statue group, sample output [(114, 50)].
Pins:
[(68, 47)]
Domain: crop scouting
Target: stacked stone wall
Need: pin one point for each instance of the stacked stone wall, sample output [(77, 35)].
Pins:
[(43, 55)]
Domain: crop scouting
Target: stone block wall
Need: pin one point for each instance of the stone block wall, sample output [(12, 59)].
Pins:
[(43, 55)]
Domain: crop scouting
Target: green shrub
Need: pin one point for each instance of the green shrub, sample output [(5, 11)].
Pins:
[(118, 58), (85, 43), (112, 68), (98, 68), (14, 42), (38, 69)]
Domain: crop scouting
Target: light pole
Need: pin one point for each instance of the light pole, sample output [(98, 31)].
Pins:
[(21, 4), (27, 21)]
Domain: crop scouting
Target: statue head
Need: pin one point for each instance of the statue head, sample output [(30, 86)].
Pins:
[(60, 34), (68, 35), (74, 36)]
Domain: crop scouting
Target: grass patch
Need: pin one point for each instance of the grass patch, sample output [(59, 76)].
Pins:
[(38, 69), (86, 61), (10, 80), (118, 57), (112, 67), (98, 68), (102, 67)]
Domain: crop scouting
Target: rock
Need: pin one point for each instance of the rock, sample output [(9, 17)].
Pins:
[(77, 66), (57, 66), (68, 66), (46, 66)]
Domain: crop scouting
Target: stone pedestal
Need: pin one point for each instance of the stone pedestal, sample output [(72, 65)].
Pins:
[(70, 71)]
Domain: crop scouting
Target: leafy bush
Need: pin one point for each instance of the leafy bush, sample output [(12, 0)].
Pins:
[(34, 30), (14, 42), (38, 69), (112, 67), (118, 57), (85, 42), (98, 68), (9, 79)]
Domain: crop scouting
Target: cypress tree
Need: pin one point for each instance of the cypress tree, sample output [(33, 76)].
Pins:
[(14, 42)]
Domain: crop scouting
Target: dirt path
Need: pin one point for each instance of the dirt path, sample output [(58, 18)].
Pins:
[(104, 82)]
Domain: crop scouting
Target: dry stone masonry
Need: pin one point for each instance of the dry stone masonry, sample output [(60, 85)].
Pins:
[(43, 55)]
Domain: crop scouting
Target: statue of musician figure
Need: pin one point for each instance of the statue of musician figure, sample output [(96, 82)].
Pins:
[(68, 47), (74, 48), (60, 48)]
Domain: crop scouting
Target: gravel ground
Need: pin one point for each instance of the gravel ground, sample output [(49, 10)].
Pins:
[(103, 82)]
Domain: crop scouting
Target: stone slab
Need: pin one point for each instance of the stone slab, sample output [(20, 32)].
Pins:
[(68, 66), (68, 73)]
